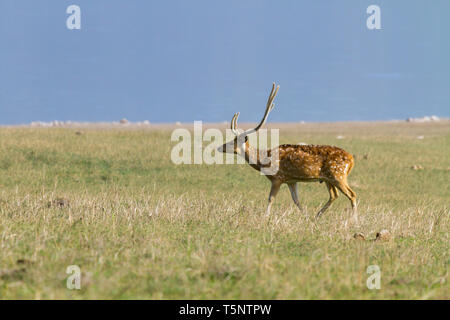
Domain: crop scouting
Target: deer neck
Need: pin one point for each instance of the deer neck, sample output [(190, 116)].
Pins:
[(253, 157)]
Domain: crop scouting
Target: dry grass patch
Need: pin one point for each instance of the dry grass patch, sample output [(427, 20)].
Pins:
[(111, 202)]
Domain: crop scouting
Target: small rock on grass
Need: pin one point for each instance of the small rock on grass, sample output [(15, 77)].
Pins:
[(359, 236), (383, 235)]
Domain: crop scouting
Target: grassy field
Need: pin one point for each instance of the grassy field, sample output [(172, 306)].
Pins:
[(110, 201)]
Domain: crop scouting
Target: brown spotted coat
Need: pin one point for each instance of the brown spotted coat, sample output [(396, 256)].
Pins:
[(308, 163)]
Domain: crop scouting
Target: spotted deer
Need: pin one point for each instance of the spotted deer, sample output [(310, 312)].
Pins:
[(296, 163)]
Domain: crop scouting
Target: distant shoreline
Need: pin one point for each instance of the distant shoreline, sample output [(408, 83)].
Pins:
[(224, 124)]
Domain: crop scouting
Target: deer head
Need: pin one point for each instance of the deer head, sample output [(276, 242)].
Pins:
[(239, 144)]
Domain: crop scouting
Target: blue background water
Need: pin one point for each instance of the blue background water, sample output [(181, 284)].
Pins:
[(204, 60)]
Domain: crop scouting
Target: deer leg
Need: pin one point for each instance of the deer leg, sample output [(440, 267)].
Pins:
[(353, 199), (333, 195), (273, 193), (294, 193), (348, 192)]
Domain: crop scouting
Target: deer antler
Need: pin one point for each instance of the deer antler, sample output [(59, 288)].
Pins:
[(233, 124), (269, 108)]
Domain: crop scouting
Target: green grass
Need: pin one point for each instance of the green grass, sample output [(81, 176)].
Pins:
[(141, 227)]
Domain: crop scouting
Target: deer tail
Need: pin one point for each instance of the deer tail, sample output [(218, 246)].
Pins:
[(350, 167)]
